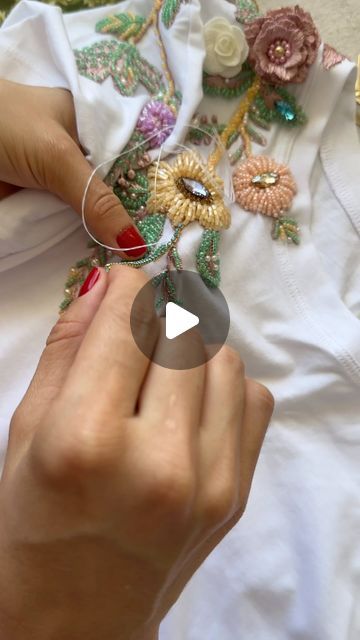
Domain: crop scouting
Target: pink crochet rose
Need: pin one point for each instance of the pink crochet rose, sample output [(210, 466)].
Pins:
[(283, 45)]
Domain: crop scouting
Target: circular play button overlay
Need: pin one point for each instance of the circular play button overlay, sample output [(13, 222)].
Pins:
[(187, 309)]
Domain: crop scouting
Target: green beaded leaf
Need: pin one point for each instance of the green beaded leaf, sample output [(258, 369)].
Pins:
[(231, 87), (123, 69), (135, 194), (93, 62), (169, 12), (132, 154), (124, 25), (247, 10), (151, 227), (262, 111), (123, 62), (207, 258), (167, 289), (150, 77), (286, 229)]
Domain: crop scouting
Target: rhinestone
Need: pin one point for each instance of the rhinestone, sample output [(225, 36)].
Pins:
[(195, 188), (285, 109), (265, 180)]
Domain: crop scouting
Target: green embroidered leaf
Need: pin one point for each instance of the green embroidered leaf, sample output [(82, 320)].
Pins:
[(286, 229), (124, 25), (169, 12), (123, 68), (93, 62), (133, 154), (168, 289), (207, 258), (246, 10), (149, 76), (255, 136), (284, 107), (229, 87), (151, 227), (175, 258), (133, 192), (123, 62)]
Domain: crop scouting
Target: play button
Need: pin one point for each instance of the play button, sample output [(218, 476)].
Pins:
[(191, 320), (178, 320)]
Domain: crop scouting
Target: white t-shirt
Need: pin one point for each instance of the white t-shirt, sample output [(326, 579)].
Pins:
[(290, 570)]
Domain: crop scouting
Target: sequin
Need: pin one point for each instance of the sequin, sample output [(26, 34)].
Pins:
[(266, 180)]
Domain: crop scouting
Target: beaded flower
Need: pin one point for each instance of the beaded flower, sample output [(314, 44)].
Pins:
[(283, 45), (156, 122), (226, 48), (187, 191), (264, 186)]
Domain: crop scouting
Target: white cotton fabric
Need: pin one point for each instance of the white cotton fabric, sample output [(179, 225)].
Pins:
[(290, 570)]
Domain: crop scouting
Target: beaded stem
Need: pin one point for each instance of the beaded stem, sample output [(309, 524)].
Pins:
[(164, 61), (153, 19), (159, 251), (235, 125)]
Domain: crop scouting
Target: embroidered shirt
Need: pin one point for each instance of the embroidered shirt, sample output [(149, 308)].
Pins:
[(290, 568)]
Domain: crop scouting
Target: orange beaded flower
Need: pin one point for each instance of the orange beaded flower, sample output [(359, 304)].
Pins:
[(262, 185)]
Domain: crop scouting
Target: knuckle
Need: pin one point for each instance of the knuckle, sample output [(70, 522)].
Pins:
[(263, 396), (231, 360), (220, 505), (169, 490), (54, 146), (65, 329), (142, 317), (105, 205), (78, 453)]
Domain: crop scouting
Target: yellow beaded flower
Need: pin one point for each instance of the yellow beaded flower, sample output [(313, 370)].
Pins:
[(187, 191)]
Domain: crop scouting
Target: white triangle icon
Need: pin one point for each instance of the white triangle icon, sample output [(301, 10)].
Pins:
[(178, 320)]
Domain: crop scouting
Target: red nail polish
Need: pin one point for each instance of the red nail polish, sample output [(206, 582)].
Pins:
[(92, 279), (129, 238)]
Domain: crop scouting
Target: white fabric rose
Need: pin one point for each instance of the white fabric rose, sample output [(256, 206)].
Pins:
[(226, 48)]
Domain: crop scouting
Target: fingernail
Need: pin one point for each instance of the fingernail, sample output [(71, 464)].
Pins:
[(129, 238), (90, 281)]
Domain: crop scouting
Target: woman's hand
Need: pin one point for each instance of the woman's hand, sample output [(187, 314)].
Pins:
[(121, 476), (39, 149)]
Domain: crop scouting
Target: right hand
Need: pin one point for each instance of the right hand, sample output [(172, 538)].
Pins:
[(121, 476)]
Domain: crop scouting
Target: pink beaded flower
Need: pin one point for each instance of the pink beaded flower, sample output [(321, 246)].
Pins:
[(262, 185), (283, 45), (156, 122)]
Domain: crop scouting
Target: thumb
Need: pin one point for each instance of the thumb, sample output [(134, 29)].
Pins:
[(104, 214)]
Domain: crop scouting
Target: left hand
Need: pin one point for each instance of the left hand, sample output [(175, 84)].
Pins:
[(40, 149)]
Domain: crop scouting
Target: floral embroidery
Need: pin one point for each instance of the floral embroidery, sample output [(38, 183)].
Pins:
[(216, 85), (283, 45), (246, 10), (169, 11), (264, 186), (187, 191), (124, 25), (208, 258), (331, 57), (156, 122), (226, 48), (123, 62)]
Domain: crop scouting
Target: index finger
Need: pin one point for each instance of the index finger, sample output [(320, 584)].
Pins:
[(109, 367)]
